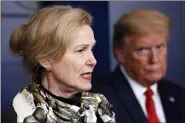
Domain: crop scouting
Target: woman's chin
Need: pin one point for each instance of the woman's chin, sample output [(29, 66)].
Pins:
[(86, 86)]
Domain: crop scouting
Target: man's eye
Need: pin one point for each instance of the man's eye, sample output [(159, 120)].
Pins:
[(142, 51), (139, 49), (160, 46)]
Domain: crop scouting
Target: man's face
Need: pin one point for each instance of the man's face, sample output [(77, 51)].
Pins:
[(144, 57)]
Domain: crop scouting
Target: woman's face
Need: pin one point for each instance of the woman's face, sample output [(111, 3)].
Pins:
[(74, 70)]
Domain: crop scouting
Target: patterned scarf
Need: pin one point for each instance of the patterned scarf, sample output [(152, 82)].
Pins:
[(35, 104)]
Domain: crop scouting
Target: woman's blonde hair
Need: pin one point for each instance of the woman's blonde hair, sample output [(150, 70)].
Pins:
[(47, 33)]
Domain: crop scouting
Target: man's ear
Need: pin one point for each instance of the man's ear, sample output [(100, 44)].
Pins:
[(46, 63), (120, 55)]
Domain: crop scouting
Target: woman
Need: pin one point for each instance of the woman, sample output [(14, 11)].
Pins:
[(56, 45)]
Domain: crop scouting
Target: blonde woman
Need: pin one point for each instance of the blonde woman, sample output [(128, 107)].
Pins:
[(56, 46)]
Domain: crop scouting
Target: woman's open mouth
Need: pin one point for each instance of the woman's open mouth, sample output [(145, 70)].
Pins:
[(86, 76)]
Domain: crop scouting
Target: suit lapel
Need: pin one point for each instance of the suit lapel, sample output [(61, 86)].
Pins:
[(168, 102), (128, 98)]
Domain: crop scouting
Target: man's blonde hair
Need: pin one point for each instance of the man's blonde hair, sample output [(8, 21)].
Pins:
[(139, 21)]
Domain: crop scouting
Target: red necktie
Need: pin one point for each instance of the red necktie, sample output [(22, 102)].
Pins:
[(150, 107)]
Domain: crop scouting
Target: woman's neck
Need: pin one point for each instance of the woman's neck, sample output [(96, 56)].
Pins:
[(57, 88)]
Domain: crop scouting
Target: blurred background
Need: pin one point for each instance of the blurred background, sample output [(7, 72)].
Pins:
[(105, 13)]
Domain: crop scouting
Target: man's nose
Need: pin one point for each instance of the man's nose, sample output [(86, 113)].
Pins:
[(154, 58)]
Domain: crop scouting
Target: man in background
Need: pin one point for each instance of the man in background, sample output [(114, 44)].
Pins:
[(136, 87)]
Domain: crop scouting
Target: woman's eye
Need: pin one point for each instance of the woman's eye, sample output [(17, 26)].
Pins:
[(80, 50)]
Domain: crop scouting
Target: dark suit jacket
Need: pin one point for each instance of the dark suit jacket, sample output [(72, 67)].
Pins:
[(118, 91)]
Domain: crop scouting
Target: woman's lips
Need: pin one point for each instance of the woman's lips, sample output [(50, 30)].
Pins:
[(86, 76)]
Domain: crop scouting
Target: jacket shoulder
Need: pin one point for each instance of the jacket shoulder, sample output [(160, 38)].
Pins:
[(171, 85), (9, 115), (173, 89)]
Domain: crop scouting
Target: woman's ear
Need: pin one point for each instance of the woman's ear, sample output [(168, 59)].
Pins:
[(46, 63)]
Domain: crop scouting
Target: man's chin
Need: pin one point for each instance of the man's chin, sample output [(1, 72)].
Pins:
[(155, 78)]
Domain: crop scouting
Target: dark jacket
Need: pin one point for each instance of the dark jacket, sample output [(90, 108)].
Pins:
[(119, 93)]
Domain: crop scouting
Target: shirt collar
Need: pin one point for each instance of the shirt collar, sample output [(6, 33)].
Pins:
[(136, 87)]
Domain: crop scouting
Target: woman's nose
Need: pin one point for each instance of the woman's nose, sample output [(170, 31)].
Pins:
[(91, 61)]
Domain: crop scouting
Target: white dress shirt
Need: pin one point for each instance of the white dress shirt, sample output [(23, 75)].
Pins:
[(139, 91)]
